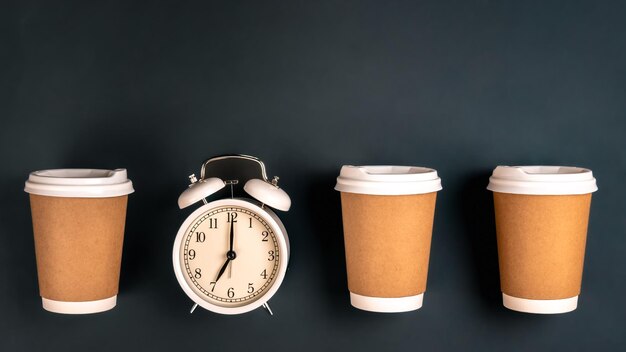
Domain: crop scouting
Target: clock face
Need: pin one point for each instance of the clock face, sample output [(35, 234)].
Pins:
[(225, 274)]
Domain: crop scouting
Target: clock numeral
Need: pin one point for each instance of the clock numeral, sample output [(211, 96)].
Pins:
[(232, 217), (271, 255), (191, 254), (212, 223), (212, 283), (230, 293), (264, 274), (200, 237), (250, 288), (198, 273), (264, 234), (250, 224)]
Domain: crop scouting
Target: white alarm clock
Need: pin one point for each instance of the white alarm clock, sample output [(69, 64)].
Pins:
[(230, 255)]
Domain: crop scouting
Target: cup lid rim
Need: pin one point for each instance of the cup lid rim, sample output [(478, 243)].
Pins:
[(542, 180), (87, 183), (387, 179)]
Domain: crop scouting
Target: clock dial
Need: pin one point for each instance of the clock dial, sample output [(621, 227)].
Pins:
[(230, 256)]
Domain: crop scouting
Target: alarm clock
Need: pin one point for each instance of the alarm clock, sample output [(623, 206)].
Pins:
[(231, 254)]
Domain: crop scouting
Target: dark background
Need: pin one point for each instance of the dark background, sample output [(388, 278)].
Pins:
[(461, 86)]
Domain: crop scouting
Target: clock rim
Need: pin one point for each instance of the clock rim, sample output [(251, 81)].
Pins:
[(281, 237)]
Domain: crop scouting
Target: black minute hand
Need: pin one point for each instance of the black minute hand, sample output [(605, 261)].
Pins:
[(232, 233)]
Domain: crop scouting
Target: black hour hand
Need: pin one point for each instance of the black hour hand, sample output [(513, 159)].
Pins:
[(223, 269)]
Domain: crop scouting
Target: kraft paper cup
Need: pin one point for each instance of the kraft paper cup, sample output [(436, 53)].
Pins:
[(78, 223), (388, 214), (542, 214)]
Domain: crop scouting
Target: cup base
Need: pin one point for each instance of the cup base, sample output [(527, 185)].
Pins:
[(540, 306), (79, 307), (387, 305)]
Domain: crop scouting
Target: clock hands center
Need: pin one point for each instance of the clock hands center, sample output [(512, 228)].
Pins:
[(223, 269)]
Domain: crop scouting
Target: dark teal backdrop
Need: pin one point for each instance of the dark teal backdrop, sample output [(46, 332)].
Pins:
[(461, 86)]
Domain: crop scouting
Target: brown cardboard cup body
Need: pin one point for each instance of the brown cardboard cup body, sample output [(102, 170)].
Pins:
[(78, 245), (541, 244), (387, 243)]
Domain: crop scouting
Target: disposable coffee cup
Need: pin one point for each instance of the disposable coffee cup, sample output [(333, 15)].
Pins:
[(388, 214), (541, 214), (78, 223)]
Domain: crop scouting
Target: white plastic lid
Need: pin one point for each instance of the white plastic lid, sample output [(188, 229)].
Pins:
[(81, 183), (387, 180), (268, 194), (542, 180)]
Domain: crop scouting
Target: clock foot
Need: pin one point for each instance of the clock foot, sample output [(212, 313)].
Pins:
[(267, 307), (193, 308)]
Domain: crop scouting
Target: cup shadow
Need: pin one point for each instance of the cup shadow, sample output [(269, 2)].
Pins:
[(478, 216), (152, 215), (330, 238), (19, 248), (476, 207)]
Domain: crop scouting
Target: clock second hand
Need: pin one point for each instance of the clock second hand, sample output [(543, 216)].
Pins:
[(230, 255), (222, 270)]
